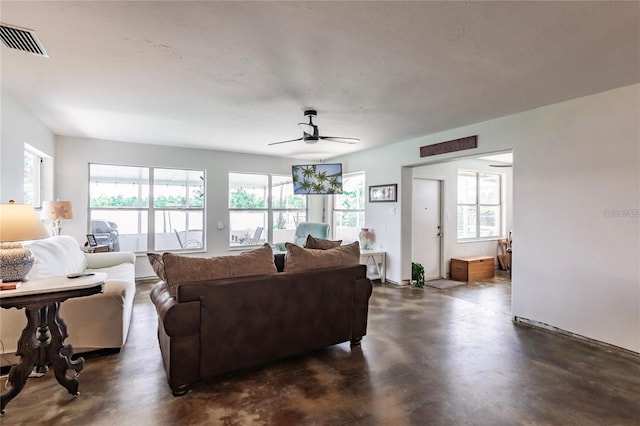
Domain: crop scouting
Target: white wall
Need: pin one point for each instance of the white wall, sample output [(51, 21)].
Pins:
[(19, 126), (448, 173), (574, 268), (73, 156)]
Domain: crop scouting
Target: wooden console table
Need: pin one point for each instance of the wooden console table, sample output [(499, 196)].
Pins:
[(377, 259), (42, 340)]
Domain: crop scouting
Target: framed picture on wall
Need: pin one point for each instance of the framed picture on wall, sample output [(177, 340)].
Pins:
[(383, 193)]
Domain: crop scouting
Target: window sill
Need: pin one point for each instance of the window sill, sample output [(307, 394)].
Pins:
[(480, 240), (243, 248), (178, 252)]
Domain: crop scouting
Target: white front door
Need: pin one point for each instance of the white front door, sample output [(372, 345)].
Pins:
[(426, 226)]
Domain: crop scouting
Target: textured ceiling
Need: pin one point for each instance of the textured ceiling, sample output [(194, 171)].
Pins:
[(237, 75)]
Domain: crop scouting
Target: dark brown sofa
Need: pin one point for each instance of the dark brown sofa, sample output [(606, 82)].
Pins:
[(225, 325)]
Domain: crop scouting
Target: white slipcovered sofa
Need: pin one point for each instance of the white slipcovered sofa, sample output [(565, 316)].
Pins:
[(95, 322)]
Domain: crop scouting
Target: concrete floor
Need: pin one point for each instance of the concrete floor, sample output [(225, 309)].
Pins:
[(431, 357)]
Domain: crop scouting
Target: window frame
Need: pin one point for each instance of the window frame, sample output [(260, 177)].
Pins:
[(362, 210), (478, 205), (35, 196), (150, 208), (269, 209)]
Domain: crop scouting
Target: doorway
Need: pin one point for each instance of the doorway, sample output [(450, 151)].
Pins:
[(426, 236)]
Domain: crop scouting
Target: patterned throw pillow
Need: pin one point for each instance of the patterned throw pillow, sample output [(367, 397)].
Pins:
[(183, 269), (302, 259), (155, 259), (317, 243)]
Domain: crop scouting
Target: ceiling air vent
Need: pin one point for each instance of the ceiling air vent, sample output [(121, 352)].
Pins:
[(21, 39)]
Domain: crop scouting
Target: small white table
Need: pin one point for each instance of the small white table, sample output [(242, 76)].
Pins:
[(378, 260), (42, 340)]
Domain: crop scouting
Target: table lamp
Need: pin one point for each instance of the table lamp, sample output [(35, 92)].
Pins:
[(57, 211), (18, 222)]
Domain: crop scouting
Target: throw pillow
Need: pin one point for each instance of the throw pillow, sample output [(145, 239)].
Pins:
[(301, 259), (317, 243), (183, 269), (155, 259)]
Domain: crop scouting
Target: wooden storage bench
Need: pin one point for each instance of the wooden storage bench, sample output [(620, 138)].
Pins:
[(472, 268)]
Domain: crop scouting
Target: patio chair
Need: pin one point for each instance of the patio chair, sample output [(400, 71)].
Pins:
[(193, 243), (256, 238)]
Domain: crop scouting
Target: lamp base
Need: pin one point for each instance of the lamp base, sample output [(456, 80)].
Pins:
[(15, 262), (56, 227)]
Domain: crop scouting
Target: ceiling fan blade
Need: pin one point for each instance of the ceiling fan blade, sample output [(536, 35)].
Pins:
[(310, 133), (500, 165), (339, 139), (292, 140)]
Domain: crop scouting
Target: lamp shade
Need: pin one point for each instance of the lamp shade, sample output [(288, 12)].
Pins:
[(57, 210), (20, 222)]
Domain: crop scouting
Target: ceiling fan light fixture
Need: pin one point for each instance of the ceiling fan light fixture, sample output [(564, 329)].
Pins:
[(311, 134), (308, 129)]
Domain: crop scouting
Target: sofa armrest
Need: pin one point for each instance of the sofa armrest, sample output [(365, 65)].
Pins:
[(178, 319), (363, 292), (106, 260)]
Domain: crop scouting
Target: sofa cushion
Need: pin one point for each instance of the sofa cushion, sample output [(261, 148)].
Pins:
[(302, 259), (58, 255), (183, 269), (318, 243), (109, 259), (155, 259)]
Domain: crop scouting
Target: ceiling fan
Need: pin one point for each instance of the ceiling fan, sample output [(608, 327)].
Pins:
[(311, 135), (500, 165)]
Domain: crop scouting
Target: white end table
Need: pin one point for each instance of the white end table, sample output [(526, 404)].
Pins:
[(378, 259)]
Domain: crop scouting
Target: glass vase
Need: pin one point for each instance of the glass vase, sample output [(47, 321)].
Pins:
[(366, 239)]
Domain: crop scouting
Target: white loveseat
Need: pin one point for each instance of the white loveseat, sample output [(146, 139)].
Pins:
[(95, 322)]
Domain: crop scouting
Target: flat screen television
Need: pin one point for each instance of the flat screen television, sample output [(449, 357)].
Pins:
[(317, 179)]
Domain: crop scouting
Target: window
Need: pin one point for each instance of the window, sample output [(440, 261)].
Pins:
[(263, 208), (479, 205), (32, 176), (135, 208), (348, 208)]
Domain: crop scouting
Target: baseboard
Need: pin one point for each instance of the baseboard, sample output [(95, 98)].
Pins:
[(574, 336)]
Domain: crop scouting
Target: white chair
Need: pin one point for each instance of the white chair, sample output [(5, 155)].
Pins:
[(193, 243), (256, 238)]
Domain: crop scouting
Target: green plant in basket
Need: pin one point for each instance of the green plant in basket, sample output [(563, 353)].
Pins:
[(417, 274)]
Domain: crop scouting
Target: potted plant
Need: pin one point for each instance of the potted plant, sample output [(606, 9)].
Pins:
[(417, 274)]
